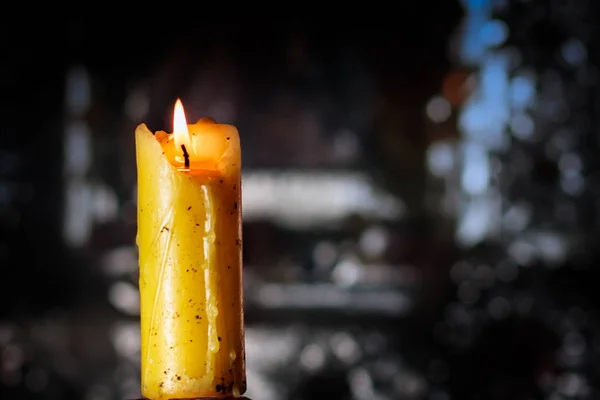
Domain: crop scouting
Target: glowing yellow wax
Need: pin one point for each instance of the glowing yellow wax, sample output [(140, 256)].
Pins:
[(189, 239)]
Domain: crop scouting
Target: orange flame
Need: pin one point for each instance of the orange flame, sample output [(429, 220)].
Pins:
[(181, 135)]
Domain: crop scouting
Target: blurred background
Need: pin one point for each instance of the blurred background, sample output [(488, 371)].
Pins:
[(420, 189)]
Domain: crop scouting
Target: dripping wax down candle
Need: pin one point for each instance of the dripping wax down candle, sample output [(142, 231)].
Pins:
[(189, 240)]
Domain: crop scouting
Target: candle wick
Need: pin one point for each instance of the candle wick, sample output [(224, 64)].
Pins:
[(186, 156)]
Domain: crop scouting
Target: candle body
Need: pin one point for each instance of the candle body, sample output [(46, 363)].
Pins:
[(189, 240)]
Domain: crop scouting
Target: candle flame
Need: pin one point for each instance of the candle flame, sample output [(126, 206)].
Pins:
[(181, 135)]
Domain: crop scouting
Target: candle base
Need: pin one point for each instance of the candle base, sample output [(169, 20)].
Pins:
[(207, 398)]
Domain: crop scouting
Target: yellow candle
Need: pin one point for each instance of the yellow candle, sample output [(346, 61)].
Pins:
[(189, 239)]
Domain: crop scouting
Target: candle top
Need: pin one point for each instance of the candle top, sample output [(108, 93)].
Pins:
[(201, 147)]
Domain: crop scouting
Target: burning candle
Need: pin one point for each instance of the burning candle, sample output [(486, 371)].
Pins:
[(190, 242)]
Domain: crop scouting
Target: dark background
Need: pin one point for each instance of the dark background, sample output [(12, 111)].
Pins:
[(420, 196)]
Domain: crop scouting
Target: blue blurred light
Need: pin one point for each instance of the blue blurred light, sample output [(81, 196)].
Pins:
[(493, 33)]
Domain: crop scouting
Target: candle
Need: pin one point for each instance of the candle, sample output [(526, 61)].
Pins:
[(189, 239)]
